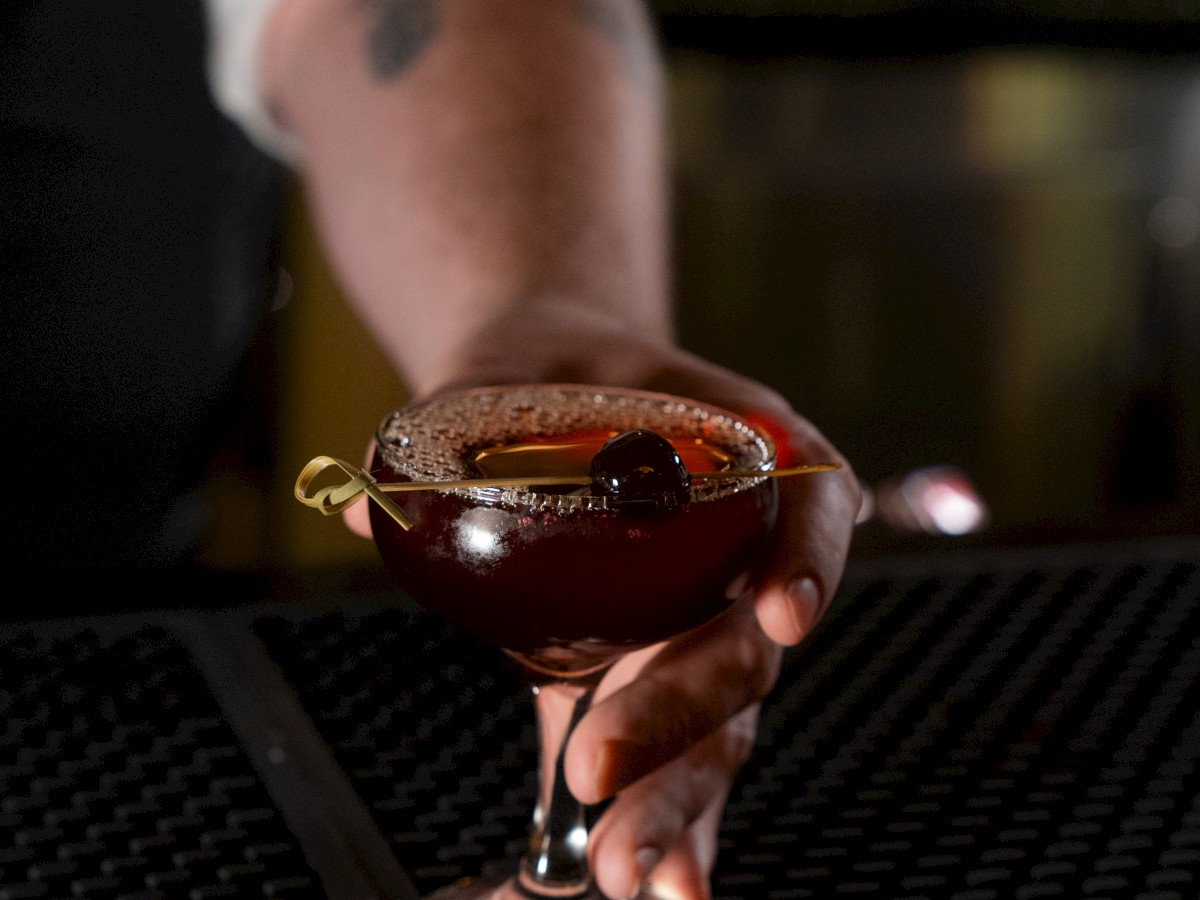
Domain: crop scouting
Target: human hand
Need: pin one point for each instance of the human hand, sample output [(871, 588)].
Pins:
[(672, 724)]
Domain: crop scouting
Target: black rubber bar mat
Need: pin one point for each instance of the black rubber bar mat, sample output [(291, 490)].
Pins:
[(120, 776), (991, 726), (163, 757)]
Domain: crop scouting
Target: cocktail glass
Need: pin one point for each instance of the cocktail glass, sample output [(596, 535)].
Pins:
[(564, 581)]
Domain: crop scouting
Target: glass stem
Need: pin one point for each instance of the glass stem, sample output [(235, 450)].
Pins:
[(556, 864)]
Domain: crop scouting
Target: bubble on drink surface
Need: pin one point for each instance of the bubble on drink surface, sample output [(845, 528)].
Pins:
[(437, 439)]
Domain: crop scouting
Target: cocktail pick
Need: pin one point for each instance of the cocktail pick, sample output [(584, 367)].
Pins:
[(332, 500), (336, 498), (770, 473)]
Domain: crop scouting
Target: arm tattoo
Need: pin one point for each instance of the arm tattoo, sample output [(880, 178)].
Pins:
[(401, 30), (627, 26)]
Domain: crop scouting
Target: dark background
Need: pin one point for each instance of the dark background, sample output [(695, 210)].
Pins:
[(957, 236), (950, 234)]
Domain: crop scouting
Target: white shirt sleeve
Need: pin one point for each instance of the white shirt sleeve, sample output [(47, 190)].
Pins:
[(235, 30)]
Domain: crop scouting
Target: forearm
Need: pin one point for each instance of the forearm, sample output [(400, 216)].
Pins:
[(472, 163)]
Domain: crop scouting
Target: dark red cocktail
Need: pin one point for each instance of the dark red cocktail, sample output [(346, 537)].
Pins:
[(626, 550), (562, 579)]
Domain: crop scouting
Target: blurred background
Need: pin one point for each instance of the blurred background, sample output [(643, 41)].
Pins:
[(952, 237)]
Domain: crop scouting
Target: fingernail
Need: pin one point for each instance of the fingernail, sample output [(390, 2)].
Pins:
[(805, 605)]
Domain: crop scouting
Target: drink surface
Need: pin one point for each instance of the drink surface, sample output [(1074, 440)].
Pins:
[(572, 454), (561, 579)]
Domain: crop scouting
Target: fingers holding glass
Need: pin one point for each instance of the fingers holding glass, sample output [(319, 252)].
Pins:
[(663, 828), (810, 542), (694, 686)]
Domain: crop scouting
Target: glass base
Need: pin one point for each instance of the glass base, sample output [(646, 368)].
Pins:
[(499, 889), (508, 889)]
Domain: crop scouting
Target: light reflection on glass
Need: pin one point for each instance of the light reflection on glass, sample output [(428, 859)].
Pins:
[(478, 532)]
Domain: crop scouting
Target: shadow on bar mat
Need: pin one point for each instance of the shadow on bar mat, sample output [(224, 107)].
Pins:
[(986, 726)]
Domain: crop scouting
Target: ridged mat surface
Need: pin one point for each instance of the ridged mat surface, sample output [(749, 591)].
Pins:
[(1019, 732), (983, 729), (119, 777)]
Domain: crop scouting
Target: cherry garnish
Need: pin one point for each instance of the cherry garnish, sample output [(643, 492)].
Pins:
[(641, 472)]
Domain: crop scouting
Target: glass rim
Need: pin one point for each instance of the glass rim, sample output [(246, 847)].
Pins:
[(401, 435)]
